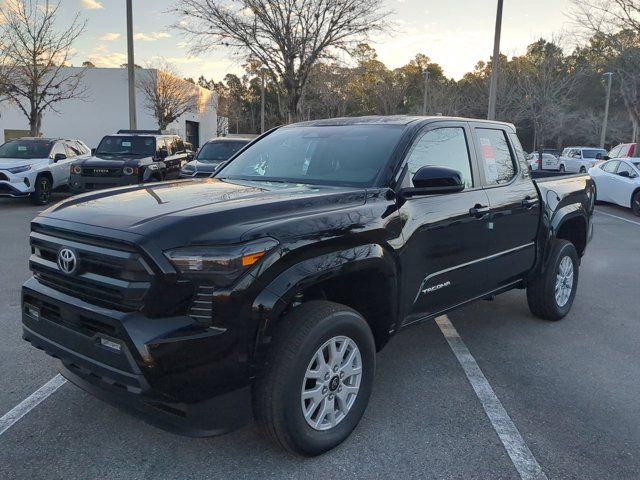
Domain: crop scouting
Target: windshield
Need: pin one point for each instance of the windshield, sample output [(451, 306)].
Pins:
[(350, 155), (21, 149), (218, 151), (592, 153), (145, 146)]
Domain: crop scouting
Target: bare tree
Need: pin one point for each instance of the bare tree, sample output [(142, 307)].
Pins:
[(35, 55), (287, 36), (167, 96)]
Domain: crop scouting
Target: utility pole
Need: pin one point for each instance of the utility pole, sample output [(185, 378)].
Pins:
[(603, 133), (133, 124), (424, 93), (495, 65), (262, 101)]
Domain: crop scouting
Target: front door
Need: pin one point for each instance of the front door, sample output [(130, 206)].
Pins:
[(445, 235)]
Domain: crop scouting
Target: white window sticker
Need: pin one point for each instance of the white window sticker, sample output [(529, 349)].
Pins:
[(126, 144), (22, 148)]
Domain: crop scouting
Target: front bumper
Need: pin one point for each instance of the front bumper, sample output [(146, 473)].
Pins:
[(19, 185), (79, 183), (161, 369)]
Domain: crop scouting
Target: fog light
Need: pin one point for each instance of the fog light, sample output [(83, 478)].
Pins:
[(32, 311), (27, 182)]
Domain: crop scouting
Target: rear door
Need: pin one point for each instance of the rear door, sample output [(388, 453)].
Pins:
[(60, 169), (624, 185), (515, 206), (606, 183), (442, 261)]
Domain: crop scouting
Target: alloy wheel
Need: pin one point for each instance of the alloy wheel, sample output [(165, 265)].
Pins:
[(564, 281)]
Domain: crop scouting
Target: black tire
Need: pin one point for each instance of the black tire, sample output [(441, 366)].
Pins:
[(277, 400), (635, 203), (583, 170), (561, 169), (42, 192), (541, 292)]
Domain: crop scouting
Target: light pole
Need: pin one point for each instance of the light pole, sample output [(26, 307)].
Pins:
[(495, 65), (262, 101), (131, 74), (603, 133), (424, 93)]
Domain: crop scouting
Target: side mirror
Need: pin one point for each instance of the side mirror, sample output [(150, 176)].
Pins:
[(190, 156), (164, 153), (93, 151), (625, 174), (59, 156), (432, 180)]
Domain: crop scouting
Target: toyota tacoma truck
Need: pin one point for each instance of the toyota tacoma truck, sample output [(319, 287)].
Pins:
[(266, 290)]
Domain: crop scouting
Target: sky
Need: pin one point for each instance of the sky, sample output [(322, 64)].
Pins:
[(454, 33)]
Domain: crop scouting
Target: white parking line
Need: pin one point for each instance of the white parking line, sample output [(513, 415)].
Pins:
[(619, 218), (520, 455), (31, 402)]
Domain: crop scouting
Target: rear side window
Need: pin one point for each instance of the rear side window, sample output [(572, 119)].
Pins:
[(445, 147), (626, 168), (497, 160), (520, 155), (615, 153)]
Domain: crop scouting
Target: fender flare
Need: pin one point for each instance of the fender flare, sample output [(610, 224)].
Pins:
[(271, 302)]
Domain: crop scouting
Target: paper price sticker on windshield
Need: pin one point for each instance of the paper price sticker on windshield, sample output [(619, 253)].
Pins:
[(126, 144)]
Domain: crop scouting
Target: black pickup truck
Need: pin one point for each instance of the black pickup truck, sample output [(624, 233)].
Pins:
[(269, 288), (130, 157)]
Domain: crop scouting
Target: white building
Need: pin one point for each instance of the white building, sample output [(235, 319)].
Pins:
[(105, 110)]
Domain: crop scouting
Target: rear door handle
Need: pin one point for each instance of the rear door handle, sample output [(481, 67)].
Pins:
[(529, 202), (479, 211)]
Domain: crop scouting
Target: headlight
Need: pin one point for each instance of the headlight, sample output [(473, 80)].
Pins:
[(24, 168), (76, 169), (223, 264), (129, 171)]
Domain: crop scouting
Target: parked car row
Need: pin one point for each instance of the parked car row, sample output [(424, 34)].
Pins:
[(36, 167), (618, 181)]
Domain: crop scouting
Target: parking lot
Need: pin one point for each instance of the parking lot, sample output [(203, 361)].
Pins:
[(572, 390)]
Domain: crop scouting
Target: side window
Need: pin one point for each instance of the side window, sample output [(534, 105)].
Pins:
[(179, 146), (615, 153), (72, 149), (497, 160), (445, 147), (626, 168), (58, 147), (171, 146), (520, 153), (610, 167)]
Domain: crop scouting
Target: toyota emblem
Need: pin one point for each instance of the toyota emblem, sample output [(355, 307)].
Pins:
[(67, 261)]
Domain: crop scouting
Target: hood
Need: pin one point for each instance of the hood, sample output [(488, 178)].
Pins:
[(114, 161), (7, 163), (202, 210)]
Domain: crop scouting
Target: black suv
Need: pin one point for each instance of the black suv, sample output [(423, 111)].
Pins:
[(270, 287), (130, 157)]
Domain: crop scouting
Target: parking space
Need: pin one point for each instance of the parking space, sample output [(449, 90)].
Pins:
[(571, 388)]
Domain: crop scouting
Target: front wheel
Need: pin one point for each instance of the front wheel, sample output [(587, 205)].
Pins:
[(562, 170), (635, 203), (318, 378), (42, 190), (583, 170), (551, 294)]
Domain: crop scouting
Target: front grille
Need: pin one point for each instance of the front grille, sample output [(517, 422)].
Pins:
[(100, 172), (109, 274), (202, 305), (3, 177), (4, 188)]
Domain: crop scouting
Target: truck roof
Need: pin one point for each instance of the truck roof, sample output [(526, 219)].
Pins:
[(390, 120)]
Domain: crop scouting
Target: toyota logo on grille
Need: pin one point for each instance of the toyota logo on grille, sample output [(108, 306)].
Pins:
[(67, 261)]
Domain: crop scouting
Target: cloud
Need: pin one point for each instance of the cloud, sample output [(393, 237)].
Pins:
[(91, 4), (111, 60), (150, 37), (110, 37)]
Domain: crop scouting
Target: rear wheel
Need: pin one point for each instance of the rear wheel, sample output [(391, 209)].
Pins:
[(635, 203), (551, 294), (562, 168), (583, 170), (316, 384), (42, 190)]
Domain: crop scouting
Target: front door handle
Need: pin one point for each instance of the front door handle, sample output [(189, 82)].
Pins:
[(529, 202), (479, 211)]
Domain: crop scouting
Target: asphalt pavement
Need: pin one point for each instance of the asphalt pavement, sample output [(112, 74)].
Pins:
[(571, 388)]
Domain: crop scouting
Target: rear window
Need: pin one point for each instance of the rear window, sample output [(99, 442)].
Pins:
[(592, 153), (219, 151)]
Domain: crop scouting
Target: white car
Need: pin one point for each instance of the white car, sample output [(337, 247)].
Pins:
[(34, 167), (618, 181), (578, 159)]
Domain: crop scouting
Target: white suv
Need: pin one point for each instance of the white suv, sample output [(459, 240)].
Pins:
[(34, 167), (579, 159)]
